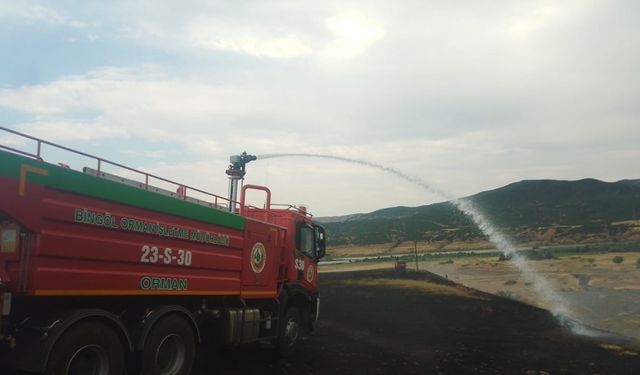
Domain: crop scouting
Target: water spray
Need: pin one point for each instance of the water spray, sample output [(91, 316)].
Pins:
[(541, 286)]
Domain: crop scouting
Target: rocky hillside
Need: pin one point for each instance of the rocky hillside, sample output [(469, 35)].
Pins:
[(554, 211)]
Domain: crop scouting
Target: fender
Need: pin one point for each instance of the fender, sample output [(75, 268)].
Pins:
[(305, 299), (294, 289), (140, 335), (296, 292), (38, 335)]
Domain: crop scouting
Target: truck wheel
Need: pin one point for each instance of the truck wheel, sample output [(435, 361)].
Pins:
[(170, 348), (90, 348), (290, 332)]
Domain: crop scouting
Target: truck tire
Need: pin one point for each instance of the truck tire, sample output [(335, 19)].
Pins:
[(290, 332), (170, 348), (87, 348)]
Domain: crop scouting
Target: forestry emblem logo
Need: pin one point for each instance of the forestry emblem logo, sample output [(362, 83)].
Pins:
[(258, 257), (310, 273)]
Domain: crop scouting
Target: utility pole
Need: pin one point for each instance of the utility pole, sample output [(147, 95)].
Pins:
[(415, 249)]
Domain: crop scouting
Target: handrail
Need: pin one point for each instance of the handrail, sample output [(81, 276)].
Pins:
[(100, 161), (256, 187), (266, 209), (290, 206)]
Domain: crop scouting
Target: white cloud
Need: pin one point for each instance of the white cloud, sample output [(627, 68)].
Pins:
[(128, 93), (469, 97), (209, 34), (271, 30), (68, 131), (34, 12), (12, 140), (533, 20), (353, 33), (345, 35)]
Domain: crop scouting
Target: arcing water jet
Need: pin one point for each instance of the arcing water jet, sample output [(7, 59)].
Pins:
[(542, 287)]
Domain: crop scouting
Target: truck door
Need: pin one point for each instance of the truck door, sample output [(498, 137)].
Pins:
[(306, 255), (260, 256)]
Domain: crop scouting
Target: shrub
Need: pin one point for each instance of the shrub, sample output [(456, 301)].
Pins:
[(543, 254), (510, 282), (617, 259), (638, 263)]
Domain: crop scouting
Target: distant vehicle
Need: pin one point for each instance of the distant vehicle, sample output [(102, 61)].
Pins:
[(400, 265), (98, 271)]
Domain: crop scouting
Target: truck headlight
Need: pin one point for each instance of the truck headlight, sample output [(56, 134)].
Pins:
[(5, 304)]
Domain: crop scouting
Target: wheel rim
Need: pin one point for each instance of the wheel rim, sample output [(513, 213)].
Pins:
[(170, 355), (291, 331), (88, 360)]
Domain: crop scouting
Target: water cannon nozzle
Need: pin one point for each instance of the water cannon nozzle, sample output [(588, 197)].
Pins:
[(242, 159), (238, 163)]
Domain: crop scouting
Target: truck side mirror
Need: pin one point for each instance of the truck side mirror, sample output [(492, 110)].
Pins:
[(320, 240)]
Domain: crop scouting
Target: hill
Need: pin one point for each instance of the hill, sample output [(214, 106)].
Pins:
[(529, 210)]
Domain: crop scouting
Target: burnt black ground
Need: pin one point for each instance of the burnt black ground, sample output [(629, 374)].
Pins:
[(383, 330)]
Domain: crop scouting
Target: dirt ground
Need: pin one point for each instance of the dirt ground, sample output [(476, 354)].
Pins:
[(599, 292), (388, 322)]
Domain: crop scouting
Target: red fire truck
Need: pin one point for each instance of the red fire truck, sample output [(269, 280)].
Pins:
[(101, 274)]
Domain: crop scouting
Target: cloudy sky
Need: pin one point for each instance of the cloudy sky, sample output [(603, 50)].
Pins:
[(467, 95)]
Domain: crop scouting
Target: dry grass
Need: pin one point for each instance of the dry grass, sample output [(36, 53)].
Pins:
[(627, 222), (358, 251), (618, 349), (350, 267), (405, 248)]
